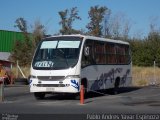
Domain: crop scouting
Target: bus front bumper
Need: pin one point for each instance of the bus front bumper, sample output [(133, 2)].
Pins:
[(68, 86)]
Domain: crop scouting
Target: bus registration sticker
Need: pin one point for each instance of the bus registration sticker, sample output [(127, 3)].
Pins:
[(44, 64)]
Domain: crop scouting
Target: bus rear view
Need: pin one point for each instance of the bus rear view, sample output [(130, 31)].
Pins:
[(56, 66)]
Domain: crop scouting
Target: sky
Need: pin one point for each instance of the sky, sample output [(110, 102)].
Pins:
[(140, 13)]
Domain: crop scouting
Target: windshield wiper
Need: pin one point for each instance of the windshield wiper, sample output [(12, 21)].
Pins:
[(65, 59)]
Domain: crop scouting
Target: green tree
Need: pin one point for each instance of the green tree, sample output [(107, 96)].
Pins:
[(136, 50), (67, 19), (21, 24), (153, 41), (24, 49), (37, 34), (96, 15), (146, 51)]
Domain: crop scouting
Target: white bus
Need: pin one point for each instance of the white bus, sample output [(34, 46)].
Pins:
[(62, 63)]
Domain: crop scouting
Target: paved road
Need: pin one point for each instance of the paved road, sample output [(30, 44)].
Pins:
[(131, 100)]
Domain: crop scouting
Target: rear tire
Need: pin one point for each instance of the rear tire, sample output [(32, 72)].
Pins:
[(39, 95), (116, 86), (115, 90)]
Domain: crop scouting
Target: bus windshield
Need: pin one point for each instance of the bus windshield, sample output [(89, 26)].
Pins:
[(57, 53)]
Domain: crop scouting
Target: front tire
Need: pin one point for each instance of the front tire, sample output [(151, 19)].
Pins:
[(84, 83), (39, 95)]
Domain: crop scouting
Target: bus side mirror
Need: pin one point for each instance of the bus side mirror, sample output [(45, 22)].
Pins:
[(86, 51)]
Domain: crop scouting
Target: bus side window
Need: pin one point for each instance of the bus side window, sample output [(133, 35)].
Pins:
[(122, 54), (87, 56), (99, 49), (110, 54)]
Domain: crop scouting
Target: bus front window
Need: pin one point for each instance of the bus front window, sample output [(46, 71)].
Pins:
[(57, 54)]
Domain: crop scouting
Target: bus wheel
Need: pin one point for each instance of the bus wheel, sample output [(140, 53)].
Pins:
[(39, 95), (116, 86)]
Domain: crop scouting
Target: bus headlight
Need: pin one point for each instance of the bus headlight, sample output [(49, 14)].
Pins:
[(72, 76)]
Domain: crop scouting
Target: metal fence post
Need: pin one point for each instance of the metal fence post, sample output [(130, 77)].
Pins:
[(1, 89)]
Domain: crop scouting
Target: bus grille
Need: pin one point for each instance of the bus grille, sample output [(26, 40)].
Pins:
[(51, 85), (51, 78)]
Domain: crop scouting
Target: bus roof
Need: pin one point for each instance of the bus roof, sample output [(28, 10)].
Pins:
[(93, 38)]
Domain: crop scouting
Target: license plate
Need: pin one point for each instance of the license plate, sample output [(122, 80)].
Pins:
[(50, 89)]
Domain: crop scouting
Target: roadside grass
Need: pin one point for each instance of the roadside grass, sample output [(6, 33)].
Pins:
[(141, 76)]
